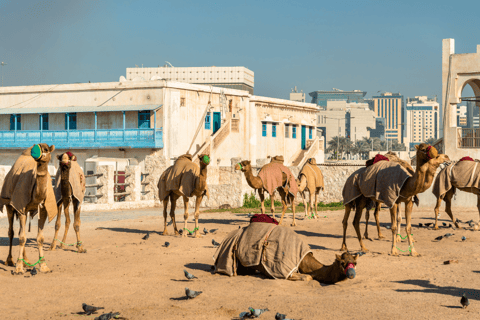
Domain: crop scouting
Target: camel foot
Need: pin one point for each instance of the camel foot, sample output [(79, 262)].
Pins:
[(19, 268), (294, 224), (81, 249), (165, 233), (9, 262), (394, 252), (414, 253), (344, 247), (62, 246), (44, 268), (184, 234), (435, 227), (365, 236), (399, 239), (381, 236), (364, 250), (53, 247), (197, 235)]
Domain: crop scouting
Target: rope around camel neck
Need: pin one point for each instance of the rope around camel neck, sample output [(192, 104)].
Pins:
[(31, 265)]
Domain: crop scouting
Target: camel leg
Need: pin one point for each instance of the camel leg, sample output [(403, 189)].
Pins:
[(11, 215), (393, 218), (293, 210), (300, 277), (408, 227), (367, 217), (304, 199), (66, 209), (310, 204), (377, 220), (185, 217), (22, 239), (436, 210), (173, 205), (262, 201), (348, 208), (58, 223), (272, 206), (165, 214), (448, 206), (316, 203), (399, 222), (40, 238), (76, 225), (356, 222), (198, 201), (283, 196)]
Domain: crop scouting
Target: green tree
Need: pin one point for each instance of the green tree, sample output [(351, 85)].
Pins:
[(342, 144)]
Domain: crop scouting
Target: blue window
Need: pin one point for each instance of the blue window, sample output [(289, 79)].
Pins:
[(70, 121), (143, 119), (274, 130), (12, 121), (44, 121), (294, 132), (310, 133), (264, 129), (208, 121)]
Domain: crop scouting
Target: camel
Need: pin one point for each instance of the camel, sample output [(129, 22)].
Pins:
[(69, 188), (184, 179), (28, 189), (428, 160), (310, 179), (284, 187), (391, 156), (462, 175)]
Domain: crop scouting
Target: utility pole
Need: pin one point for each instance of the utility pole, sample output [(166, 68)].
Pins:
[(3, 64)]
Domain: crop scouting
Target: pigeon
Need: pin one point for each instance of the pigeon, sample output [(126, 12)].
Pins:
[(361, 253), (205, 230), (449, 225), (280, 316), (192, 294), (420, 225), (166, 244), (464, 238), (215, 243), (428, 224), (459, 221), (256, 312), (108, 316), (448, 235), (471, 223), (464, 301), (249, 214), (146, 236), (188, 275), (90, 309), (387, 227), (244, 315), (439, 238), (444, 224), (180, 232), (33, 272)]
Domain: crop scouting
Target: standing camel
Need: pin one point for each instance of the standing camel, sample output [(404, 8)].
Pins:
[(310, 179), (273, 176), (463, 175), (28, 189), (184, 179), (69, 188), (388, 182)]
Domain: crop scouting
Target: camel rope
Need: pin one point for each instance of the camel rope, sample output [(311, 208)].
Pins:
[(31, 265), (66, 244)]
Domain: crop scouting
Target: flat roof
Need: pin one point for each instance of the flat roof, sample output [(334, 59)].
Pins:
[(78, 109)]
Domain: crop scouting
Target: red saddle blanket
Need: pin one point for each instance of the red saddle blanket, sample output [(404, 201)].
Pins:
[(263, 218), (467, 158)]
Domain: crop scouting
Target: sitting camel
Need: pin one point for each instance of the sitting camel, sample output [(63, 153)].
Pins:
[(278, 253), (28, 189), (273, 176), (183, 179), (463, 175), (389, 183), (310, 179), (69, 187)]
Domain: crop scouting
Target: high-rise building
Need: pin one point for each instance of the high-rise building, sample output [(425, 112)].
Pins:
[(462, 116), (321, 97), (379, 130), (472, 115), (297, 96), (422, 120), (389, 106), (239, 78)]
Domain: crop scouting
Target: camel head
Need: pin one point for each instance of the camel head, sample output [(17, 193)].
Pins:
[(427, 153), (42, 152), (347, 263), (242, 166), (65, 161), (204, 159)]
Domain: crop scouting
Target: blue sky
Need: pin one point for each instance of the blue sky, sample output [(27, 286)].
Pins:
[(314, 45)]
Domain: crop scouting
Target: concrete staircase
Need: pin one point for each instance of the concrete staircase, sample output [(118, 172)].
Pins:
[(214, 141)]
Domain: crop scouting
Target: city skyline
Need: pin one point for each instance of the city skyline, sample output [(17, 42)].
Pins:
[(367, 46)]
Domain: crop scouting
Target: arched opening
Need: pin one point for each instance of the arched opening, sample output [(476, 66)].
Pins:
[(468, 114)]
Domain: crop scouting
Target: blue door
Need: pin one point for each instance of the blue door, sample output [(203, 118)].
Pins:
[(217, 118), (304, 137)]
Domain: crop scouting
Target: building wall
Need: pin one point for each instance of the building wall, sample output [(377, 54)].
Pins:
[(363, 118), (390, 106), (322, 97)]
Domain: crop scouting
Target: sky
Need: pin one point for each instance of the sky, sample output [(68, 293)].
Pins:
[(315, 45)]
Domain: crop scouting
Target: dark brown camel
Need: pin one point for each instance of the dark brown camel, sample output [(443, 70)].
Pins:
[(65, 196)]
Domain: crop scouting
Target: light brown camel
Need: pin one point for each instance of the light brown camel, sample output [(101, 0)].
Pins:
[(310, 179), (69, 188), (463, 175), (28, 189), (312, 269), (284, 187), (391, 156), (184, 179), (428, 160)]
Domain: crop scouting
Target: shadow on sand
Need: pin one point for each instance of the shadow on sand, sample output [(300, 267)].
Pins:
[(427, 287)]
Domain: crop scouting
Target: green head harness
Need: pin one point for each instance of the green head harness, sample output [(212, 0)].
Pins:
[(206, 159), (36, 152)]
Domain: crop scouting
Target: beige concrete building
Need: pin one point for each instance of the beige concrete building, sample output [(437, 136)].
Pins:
[(422, 120), (239, 78), (297, 96)]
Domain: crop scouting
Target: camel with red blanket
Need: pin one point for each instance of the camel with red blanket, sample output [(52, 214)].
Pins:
[(463, 175), (273, 176)]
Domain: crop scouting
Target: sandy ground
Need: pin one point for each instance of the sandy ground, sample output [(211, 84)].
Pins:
[(144, 280)]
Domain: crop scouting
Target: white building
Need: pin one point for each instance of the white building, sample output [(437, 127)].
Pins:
[(239, 78), (297, 96), (422, 120)]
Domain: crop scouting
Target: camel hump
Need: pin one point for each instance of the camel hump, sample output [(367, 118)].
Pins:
[(186, 156)]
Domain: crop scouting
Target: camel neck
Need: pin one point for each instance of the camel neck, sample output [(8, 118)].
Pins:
[(329, 274), (202, 180), (253, 181)]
